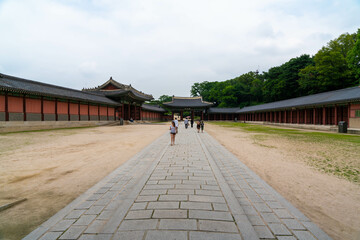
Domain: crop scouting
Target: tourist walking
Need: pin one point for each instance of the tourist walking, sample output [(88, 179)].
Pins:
[(198, 126), (202, 125), (192, 122), (186, 122), (176, 124), (172, 133)]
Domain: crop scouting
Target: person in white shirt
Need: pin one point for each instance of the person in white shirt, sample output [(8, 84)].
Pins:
[(176, 124), (186, 122), (172, 132)]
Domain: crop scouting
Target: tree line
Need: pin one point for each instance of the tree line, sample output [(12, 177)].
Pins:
[(336, 65)]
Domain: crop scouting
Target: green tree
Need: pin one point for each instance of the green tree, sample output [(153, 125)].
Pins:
[(353, 57)]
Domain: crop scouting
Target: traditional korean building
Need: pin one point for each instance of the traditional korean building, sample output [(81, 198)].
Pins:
[(328, 108), (27, 100), (195, 105)]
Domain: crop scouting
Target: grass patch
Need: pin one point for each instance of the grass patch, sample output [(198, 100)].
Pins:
[(291, 133), (331, 153)]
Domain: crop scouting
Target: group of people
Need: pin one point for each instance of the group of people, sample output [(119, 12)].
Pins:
[(175, 125)]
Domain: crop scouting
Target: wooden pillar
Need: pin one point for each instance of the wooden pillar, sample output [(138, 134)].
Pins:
[(135, 112), (107, 113), (336, 115), (181, 115), (324, 116), (297, 116), (305, 116), (285, 116), (291, 116), (348, 114), (6, 107), (42, 108), (123, 111), (129, 116), (24, 107), (56, 109), (79, 110), (88, 111), (140, 112), (314, 115), (68, 102), (202, 115), (172, 115)]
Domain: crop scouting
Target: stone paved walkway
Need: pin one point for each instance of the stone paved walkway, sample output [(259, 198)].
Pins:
[(193, 190)]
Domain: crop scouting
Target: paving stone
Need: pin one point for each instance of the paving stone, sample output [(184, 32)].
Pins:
[(51, 236), (85, 220), (283, 213), (167, 182), (209, 187), (95, 226), (249, 210), (85, 205), (166, 235), (159, 186), (208, 192), (95, 196), (105, 215), (256, 220), (213, 236), (262, 207), (210, 215), (279, 229), (264, 232), (220, 207), (187, 186), (95, 237), (139, 214), (75, 214), (270, 218), (73, 232), (304, 235), (178, 224), (199, 198), (293, 224), (170, 213), (163, 205), (153, 192), (286, 238), (173, 198), (217, 226), (195, 205), (147, 224), (181, 191), (129, 235), (139, 206), (95, 210), (147, 198), (62, 225)]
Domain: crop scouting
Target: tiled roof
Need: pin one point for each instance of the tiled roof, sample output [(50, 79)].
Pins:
[(20, 85), (223, 110), (122, 90), (188, 102), (333, 97), (153, 108)]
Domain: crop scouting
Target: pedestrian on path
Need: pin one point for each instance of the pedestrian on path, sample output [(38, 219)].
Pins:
[(198, 126), (172, 132), (192, 122), (176, 124), (186, 122), (202, 125)]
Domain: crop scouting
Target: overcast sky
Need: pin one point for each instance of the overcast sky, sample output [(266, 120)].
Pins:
[(162, 46)]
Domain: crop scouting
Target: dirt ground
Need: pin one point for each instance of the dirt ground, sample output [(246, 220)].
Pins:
[(286, 164), (52, 168)]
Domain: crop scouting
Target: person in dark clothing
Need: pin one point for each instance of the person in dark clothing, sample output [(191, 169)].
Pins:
[(192, 122)]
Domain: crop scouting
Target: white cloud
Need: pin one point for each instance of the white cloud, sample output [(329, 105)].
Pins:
[(162, 47)]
